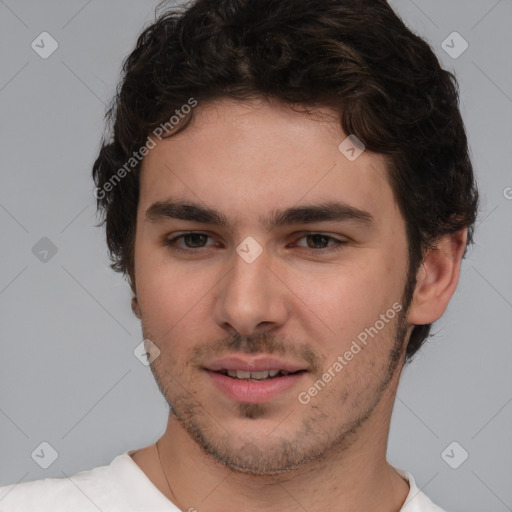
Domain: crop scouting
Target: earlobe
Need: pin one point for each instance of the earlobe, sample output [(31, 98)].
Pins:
[(437, 279), (136, 308)]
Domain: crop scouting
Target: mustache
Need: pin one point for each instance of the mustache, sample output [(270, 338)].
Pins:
[(265, 343)]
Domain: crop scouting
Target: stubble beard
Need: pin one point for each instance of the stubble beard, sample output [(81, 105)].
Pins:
[(311, 443)]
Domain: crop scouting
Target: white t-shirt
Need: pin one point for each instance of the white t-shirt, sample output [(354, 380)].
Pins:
[(122, 486)]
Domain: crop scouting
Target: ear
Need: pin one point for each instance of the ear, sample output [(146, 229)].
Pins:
[(437, 279), (136, 308)]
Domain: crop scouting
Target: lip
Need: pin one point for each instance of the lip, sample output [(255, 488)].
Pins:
[(251, 392), (255, 364)]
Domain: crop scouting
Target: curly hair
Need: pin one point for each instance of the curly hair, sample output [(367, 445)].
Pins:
[(354, 56)]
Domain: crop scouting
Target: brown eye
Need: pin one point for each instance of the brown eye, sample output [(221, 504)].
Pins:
[(195, 240), (192, 242), (318, 240), (321, 243)]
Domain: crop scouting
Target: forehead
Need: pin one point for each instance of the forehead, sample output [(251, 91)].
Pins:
[(248, 158)]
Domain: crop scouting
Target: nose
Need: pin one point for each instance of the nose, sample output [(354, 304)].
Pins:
[(251, 299)]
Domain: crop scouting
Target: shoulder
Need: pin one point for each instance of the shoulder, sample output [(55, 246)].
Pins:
[(82, 492), (416, 500)]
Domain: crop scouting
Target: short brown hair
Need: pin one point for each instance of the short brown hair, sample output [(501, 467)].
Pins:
[(355, 56)]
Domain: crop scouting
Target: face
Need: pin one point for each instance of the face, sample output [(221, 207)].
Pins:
[(260, 246)]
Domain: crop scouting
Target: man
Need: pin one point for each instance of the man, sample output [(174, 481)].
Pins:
[(288, 189)]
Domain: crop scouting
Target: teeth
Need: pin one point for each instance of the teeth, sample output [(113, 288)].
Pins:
[(241, 374)]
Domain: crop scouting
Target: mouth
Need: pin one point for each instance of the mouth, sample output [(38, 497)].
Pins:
[(255, 387), (254, 379), (259, 376)]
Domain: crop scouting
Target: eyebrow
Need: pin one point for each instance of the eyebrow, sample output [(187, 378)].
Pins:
[(191, 211)]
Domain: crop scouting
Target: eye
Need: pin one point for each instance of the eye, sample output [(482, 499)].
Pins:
[(321, 241), (193, 241)]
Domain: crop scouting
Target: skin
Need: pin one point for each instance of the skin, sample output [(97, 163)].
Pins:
[(295, 301)]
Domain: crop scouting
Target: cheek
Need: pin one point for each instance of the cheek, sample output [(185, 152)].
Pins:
[(157, 288), (348, 297), (345, 306), (170, 296)]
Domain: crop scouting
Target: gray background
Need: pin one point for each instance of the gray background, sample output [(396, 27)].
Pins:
[(68, 375)]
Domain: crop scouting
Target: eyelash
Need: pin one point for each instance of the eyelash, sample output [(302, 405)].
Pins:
[(171, 242)]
